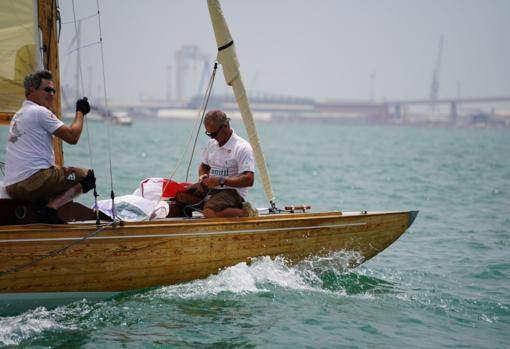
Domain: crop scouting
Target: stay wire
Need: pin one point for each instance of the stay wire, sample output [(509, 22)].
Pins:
[(80, 78), (108, 118), (80, 72), (196, 125), (203, 107), (84, 46), (82, 18)]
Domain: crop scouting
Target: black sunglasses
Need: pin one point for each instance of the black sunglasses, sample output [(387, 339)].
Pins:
[(50, 90), (215, 133)]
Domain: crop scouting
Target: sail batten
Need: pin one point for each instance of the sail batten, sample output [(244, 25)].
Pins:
[(228, 59)]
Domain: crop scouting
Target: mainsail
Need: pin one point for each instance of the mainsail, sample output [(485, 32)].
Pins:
[(228, 59), (18, 51), (28, 42)]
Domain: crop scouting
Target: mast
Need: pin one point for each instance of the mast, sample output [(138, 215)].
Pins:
[(48, 15), (228, 58)]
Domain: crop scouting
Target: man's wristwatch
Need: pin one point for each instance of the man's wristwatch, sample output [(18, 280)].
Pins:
[(222, 181)]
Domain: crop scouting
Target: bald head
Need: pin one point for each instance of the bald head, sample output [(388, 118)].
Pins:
[(216, 118)]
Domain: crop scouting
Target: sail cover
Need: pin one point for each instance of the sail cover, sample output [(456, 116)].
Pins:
[(18, 53), (228, 59)]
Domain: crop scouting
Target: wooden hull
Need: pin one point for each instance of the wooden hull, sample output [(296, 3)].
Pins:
[(147, 254)]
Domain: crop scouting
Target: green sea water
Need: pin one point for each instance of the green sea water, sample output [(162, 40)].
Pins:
[(443, 284)]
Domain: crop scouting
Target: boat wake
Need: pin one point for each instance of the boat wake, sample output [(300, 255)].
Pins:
[(329, 275), (263, 274), (15, 329)]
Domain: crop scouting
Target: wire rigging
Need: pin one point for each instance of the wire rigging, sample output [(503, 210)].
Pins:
[(203, 108), (84, 46), (77, 26), (108, 121), (80, 78), (80, 19), (197, 124)]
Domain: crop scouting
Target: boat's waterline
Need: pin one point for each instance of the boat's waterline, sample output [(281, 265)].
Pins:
[(15, 303)]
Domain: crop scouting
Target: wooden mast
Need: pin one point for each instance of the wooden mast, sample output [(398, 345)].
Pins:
[(47, 16)]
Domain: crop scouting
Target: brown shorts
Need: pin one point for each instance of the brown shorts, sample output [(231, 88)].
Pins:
[(223, 199), (46, 184)]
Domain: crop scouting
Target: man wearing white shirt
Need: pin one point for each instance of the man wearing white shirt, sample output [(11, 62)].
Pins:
[(30, 170), (227, 169)]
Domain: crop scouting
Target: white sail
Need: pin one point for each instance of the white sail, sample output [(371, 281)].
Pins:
[(228, 59)]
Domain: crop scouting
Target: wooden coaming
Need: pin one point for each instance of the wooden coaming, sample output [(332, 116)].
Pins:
[(146, 254)]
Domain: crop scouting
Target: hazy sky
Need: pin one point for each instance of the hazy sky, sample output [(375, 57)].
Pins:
[(326, 49)]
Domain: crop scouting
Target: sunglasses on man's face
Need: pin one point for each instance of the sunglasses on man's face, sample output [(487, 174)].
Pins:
[(50, 90), (215, 133)]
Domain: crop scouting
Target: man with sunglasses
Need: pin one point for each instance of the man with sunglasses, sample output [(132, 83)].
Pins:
[(30, 170), (227, 169)]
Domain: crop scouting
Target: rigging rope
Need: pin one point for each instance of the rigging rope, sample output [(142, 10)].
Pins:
[(80, 78), (84, 46), (82, 18), (198, 122), (108, 121), (105, 96), (197, 125), (203, 108), (55, 252)]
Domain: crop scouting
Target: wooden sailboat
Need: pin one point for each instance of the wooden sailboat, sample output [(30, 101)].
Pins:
[(52, 264)]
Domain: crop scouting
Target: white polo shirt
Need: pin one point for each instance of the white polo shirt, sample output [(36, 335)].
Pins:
[(30, 142), (232, 159)]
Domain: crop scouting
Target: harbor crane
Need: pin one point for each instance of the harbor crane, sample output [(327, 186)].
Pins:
[(434, 88)]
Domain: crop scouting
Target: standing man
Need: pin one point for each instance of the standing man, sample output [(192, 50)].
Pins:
[(30, 170), (227, 169)]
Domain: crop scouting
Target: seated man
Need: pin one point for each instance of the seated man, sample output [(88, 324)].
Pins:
[(30, 172), (227, 169)]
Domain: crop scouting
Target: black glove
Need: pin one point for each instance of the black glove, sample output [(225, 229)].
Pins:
[(83, 105)]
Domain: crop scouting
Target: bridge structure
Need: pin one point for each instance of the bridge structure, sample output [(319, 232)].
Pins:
[(277, 107), (398, 108)]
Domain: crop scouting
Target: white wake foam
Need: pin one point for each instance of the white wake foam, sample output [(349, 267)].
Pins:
[(260, 274), (15, 329)]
